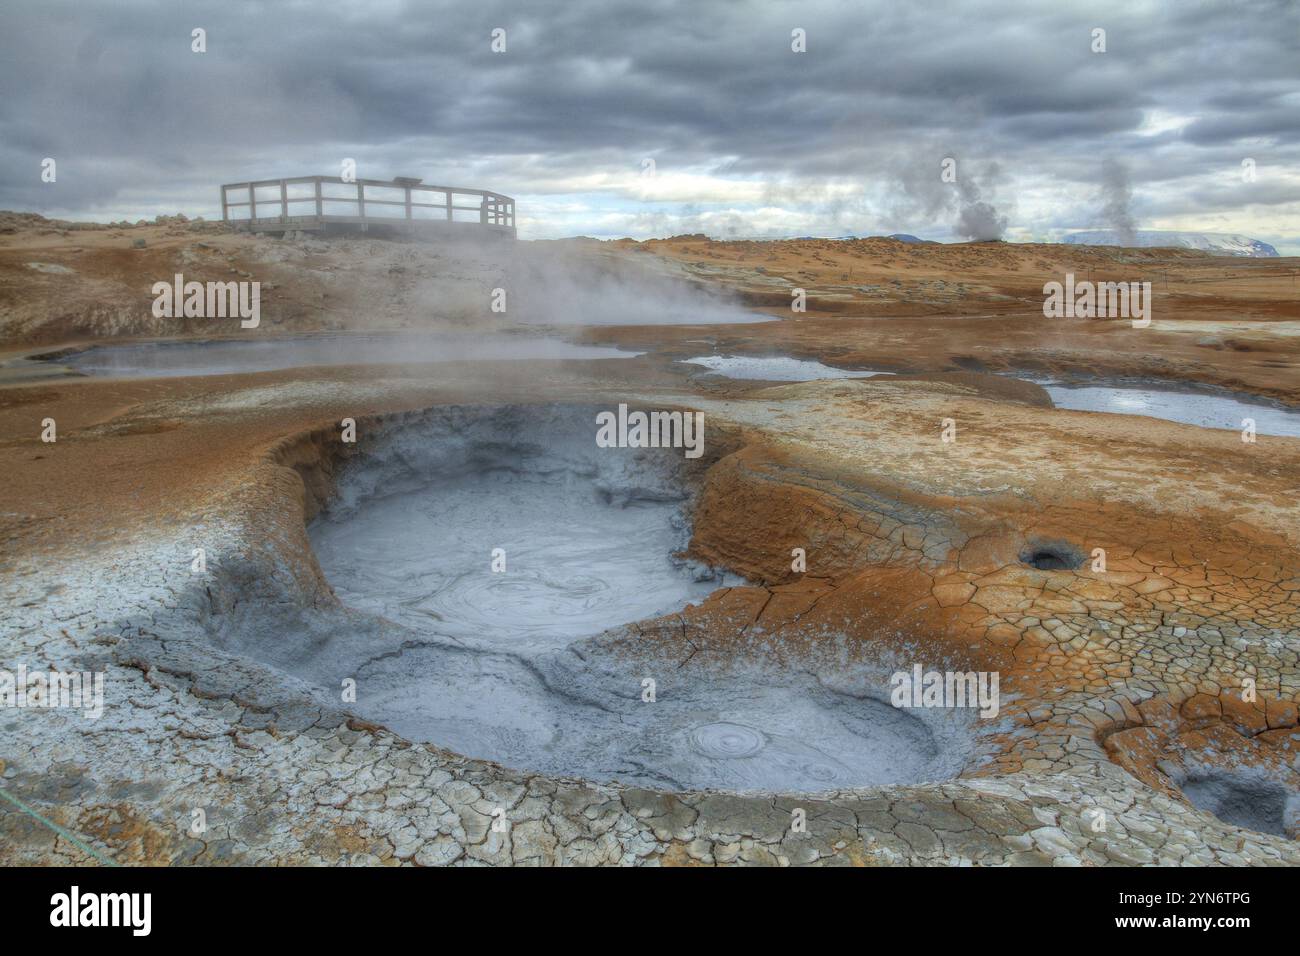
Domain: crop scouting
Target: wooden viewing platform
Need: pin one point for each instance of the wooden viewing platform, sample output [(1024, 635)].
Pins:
[(333, 203)]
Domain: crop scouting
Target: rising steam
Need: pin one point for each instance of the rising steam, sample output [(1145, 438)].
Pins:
[(926, 199), (1117, 200)]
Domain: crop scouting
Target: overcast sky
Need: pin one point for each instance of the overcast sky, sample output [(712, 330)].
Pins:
[(747, 137)]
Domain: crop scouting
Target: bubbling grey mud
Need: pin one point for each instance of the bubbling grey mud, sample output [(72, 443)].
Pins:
[(510, 541), (488, 561)]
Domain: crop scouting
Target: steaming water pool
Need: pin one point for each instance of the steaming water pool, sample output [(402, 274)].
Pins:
[(503, 665), (226, 356), (774, 368)]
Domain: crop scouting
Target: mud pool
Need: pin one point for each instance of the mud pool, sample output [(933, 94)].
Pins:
[(1245, 796), (511, 665), (572, 560)]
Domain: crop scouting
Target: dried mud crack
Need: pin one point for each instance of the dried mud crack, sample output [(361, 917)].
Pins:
[(222, 702)]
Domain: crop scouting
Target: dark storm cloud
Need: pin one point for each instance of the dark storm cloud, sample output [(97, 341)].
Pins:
[(591, 87)]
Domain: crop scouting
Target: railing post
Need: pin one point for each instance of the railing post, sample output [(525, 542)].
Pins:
[(320, 207), (225, 210), (361, 199), (284, 201), (448, 195), (252, 205), (408, 202)]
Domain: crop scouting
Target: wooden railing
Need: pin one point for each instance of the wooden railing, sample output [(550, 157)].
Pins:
[(351, 206)]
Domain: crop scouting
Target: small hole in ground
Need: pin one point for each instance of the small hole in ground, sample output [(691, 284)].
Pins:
[(1052, 556)]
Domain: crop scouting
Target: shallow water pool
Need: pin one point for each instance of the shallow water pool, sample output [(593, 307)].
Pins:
[(774, 368), (1189, 408), (232, 356)]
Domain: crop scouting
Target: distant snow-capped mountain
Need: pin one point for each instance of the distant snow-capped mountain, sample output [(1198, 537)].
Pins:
[(900, 236), (1215, 243)]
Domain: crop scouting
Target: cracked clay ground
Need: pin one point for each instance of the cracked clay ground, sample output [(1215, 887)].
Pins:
[(913, 546)]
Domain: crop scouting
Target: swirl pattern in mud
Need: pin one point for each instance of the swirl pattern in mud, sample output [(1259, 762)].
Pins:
[(725, 740)]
